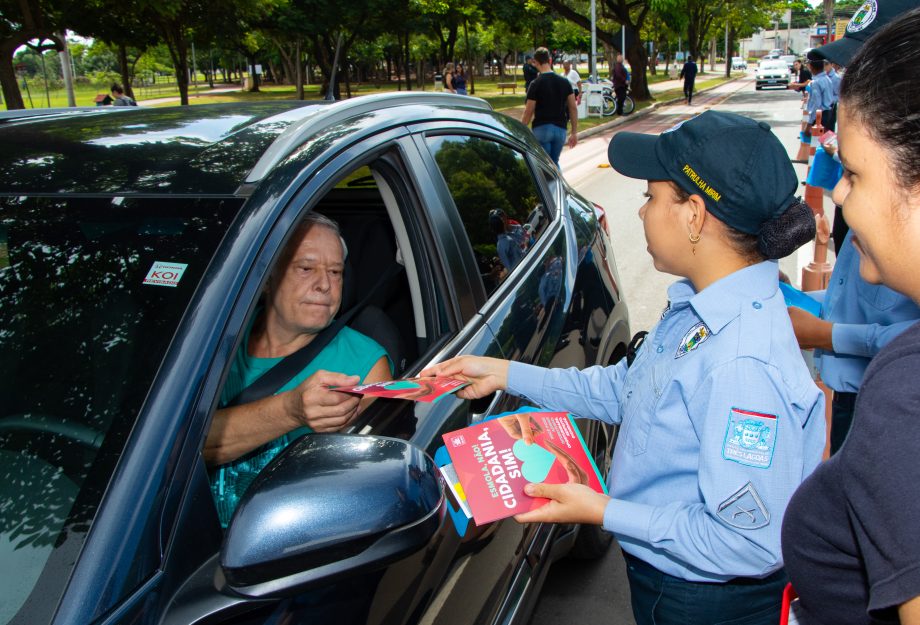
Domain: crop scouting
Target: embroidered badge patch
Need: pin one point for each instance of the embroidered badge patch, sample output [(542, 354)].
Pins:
[(692, 339), (744, 509), (750, 438), (864, 16)]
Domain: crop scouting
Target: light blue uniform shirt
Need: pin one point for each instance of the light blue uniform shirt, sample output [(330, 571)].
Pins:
[(821, 97), (835, 84), (721, 422), (866, 317)]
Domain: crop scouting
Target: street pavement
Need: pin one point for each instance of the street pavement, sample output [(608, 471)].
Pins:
[(595, 593)]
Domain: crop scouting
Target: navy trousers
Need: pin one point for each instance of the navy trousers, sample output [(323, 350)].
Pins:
[(662, 599)]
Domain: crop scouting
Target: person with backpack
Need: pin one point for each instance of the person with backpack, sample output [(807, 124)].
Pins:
[(119, 98)]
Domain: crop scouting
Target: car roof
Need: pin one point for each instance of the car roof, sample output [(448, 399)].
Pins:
[(203, 150)]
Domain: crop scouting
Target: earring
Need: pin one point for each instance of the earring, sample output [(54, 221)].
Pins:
[(694, 239)]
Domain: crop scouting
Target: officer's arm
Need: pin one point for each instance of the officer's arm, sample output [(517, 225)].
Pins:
[(591, 393), (867, 340), (754, 451)]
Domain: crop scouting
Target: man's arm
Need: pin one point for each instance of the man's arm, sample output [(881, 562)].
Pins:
[(529, 108), (573, 119), (240, 429)]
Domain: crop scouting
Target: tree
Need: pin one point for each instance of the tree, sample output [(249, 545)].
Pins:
[(21, 21), (631, 14)]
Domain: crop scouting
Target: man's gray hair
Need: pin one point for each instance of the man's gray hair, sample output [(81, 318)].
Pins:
[(315, 219)]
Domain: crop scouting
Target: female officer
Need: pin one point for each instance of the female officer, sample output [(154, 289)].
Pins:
[(851, 538), (720, 418)]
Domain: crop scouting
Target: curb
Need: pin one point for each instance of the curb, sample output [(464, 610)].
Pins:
[(601, 128)]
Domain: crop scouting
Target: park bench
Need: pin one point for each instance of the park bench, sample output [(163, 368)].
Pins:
[(507, 85)]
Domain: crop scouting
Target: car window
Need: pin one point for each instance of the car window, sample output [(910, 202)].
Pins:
[(497, 198), (91, 293)]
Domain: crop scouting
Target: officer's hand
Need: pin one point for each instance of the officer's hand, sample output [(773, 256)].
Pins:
[(485, 375), (811, 332), (312, 403), (569, 503)]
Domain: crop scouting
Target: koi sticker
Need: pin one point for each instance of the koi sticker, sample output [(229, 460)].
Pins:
[(165, 274)]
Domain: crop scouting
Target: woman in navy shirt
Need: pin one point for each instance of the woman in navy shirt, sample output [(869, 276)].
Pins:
[(851, 536)]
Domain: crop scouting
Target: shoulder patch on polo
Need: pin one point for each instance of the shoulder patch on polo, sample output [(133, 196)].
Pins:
[(750, 438), (744, 509), (692, 339)]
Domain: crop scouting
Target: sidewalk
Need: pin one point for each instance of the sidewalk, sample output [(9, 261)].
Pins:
[(175, 99)]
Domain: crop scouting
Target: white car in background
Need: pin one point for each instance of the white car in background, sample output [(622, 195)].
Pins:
[(771, 73), (739, 63)]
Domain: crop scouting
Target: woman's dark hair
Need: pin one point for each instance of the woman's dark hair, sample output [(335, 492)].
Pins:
[(881, 89), (777, 238)]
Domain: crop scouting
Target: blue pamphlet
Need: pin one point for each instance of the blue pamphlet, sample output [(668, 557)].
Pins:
[(797, 298)]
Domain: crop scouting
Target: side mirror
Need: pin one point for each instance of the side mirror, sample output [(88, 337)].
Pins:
[(331, 505)]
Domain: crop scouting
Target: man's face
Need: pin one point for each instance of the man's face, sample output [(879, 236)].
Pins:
[(306, 294)]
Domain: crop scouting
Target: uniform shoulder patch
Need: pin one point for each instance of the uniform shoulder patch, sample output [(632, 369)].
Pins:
[(744, 509), (692, 339), (750, 438)]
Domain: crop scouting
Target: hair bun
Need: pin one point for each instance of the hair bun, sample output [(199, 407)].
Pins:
[(783, 235)]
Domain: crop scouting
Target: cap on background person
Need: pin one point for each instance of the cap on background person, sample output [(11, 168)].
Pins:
[(868, 19)]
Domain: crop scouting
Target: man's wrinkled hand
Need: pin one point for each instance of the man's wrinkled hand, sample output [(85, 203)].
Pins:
[(313, 404)]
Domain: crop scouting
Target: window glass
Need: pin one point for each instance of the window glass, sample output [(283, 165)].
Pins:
[(91, 293), (497, 198)]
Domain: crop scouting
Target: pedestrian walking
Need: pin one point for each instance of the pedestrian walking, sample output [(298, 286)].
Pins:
[(574, 78), (530, 72), (447, 78), (688, 73), (551, 107), (459, 80), (850, 537), (620, 78), (720, 419)]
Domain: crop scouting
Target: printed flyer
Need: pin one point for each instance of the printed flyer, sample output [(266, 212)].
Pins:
[(416, 389), (492, 462)]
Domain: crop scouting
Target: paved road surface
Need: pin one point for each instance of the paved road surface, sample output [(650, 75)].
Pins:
[(595, 593)]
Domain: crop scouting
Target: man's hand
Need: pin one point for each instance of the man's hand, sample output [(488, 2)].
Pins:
[(573, 139), (811, 332), (569, 503), (313, 404), (485, 375)]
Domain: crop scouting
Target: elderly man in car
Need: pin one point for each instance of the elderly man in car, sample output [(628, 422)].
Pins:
[(302, 297)]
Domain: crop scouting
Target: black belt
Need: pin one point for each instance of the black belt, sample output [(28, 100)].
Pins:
[(735, 581)]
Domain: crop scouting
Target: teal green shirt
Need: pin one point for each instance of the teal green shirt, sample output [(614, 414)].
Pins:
[(350, 352)]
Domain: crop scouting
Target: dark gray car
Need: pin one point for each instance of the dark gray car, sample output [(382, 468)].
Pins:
[(134, 246)]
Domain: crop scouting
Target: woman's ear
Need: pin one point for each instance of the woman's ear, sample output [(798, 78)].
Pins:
[(696, 215)]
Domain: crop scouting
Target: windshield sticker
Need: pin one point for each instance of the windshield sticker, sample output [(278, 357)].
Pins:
[(165, 274)]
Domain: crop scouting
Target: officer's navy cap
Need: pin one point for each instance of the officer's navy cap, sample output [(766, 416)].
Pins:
[(868, 19), (736, 164)]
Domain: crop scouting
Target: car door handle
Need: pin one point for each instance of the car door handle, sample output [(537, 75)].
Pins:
[(482, 407)]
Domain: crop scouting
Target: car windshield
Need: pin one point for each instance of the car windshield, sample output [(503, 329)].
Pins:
[(91, 292), (770, 65)]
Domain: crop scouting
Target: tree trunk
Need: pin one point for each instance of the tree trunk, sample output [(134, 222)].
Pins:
[(638, 61), (11, 94), (298, 59), (407, 60), (123, 69), (730, 51), (253, 77)]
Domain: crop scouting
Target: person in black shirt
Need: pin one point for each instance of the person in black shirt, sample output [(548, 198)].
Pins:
[(550, 104), (850, 536), (802, 76), (530, 72), (688, 73)]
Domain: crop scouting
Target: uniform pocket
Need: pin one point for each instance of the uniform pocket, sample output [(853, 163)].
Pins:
[(642, 408), (880, 297)]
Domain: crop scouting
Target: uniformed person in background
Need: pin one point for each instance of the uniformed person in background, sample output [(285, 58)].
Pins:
[(720, 419)]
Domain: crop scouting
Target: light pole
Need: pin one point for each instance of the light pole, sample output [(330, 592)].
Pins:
[(592, 58)]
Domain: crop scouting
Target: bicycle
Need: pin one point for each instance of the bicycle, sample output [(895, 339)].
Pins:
[(610, 101)]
